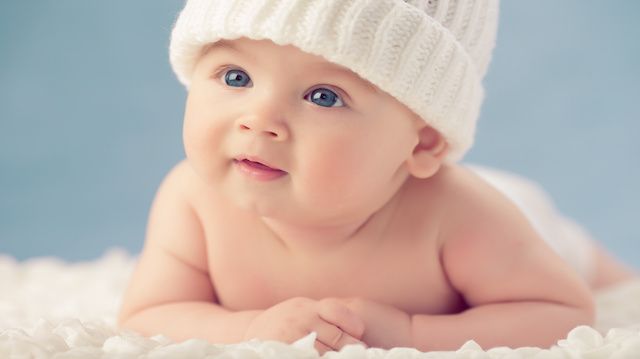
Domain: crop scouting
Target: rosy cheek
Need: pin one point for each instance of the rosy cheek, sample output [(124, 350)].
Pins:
[(330, 166)]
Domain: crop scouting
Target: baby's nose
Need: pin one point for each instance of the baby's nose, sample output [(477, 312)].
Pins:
[(274, 129)]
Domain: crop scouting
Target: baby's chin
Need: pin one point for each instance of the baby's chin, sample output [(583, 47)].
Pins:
[(288, 212)]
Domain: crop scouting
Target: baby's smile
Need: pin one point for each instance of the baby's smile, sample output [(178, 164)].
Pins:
[(256, 169)]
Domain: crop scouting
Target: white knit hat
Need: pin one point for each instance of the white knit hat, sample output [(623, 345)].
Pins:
[(431, 55)]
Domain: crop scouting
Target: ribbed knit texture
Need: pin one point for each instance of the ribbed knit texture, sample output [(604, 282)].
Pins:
[(431, 55)]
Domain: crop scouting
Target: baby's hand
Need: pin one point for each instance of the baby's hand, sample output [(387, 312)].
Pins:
[(335, 324), (385, 326)]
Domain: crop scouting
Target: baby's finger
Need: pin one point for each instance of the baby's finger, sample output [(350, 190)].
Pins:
[(338, 314), (321, 347), (333, 337)]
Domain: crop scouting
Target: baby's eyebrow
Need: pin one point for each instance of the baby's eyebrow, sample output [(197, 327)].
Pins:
[(220, 45), (324, 66), (350, 75)]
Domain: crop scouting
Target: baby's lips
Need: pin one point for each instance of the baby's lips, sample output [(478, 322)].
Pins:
[(261, 165), (256, 161)]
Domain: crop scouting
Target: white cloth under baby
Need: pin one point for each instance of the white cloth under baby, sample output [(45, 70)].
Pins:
[(570, 240)]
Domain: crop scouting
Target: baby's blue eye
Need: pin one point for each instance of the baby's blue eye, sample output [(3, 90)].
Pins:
[(236, 78), (325, 98)]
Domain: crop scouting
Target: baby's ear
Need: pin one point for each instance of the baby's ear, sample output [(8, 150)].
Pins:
[(428, 154)]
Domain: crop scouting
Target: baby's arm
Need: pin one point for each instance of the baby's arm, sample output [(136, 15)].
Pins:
[(519, 291), (171, 292)]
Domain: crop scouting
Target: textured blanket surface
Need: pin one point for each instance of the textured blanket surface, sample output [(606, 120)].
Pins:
[(53, 309)]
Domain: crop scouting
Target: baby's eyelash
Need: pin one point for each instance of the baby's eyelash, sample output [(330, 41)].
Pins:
[(338, 97), (222, 71)]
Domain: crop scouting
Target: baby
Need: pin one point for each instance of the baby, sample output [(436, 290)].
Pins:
[(321, 190)]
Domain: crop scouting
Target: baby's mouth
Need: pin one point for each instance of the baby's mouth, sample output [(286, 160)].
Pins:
[(259, 165), (257, 170)]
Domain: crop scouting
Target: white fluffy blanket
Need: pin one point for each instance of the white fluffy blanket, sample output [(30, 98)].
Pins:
[(53, 309)]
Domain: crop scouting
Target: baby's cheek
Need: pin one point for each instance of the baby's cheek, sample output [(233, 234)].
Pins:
[(201, 122), (332, 173), (203, 150), (201, 132), (195, 140)]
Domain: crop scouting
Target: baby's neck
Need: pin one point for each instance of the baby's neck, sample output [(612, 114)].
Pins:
[(313, 238), (318, 238)]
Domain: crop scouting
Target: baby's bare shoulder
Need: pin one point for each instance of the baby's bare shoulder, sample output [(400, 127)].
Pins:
[(454, 199), (474, 208), (458, 193), (489, 248), (182, 180), (173, 264), (174, 223), (463, 196), (201, 197)]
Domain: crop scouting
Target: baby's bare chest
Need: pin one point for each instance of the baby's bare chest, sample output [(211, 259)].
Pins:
[(249, 271)]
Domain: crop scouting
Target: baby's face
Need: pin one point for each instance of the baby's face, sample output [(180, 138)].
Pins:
[(341, 143)]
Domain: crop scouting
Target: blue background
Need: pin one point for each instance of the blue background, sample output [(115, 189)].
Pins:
[(90, 118)]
